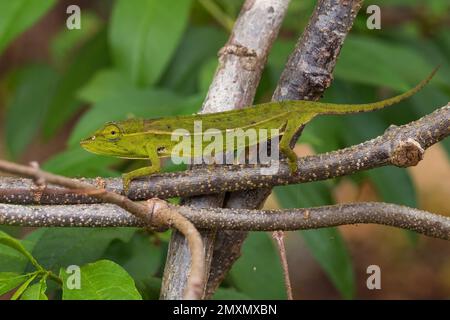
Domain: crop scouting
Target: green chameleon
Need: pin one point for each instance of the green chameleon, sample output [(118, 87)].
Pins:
[(152, 138)]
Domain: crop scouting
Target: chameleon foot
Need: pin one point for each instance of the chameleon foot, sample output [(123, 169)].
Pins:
[(126, 180), (293, 165)]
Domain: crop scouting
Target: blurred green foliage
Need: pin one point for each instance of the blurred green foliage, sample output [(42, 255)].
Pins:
[(149, 58)]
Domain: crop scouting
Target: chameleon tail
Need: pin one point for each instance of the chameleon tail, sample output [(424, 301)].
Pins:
[(331, 108)]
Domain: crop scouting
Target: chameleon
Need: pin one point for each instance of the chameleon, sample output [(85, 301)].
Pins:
[(151, 138)]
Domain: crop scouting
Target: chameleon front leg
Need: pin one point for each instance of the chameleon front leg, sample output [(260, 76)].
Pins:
[(145, 171)]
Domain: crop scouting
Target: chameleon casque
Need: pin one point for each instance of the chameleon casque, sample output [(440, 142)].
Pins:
[(151, 138)]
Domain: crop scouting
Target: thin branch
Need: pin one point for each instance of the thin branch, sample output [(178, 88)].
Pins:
[(108, 215), (279, 237), (153, 211), (399, 145)]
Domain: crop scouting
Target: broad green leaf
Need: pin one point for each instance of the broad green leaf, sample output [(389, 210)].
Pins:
[(18, 15), (149, 103), (11, 280), (9, 241), (328, 248), (77, 162), (36, 291), (28, 106), (67, 40), (24, 286), (140, 256), (258, 271), (326, 245), (101, 280), (58, 247), (92, 57), (199, 44), (390, 63), (229, 294), (12, 260), (105, 84), (144, 34)]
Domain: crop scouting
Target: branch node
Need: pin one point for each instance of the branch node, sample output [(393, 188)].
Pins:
[(248, 56), (156, 206), (407, 153), (39, 183)]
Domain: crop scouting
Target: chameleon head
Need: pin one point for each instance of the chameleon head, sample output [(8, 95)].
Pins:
[(106, 141)]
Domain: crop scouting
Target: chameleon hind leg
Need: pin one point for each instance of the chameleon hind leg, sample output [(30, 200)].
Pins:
[(291, 128), (145, 171)]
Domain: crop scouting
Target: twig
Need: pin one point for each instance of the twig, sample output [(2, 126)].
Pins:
[(171, 217), (397, 146), (279, 236), (154, 212), (108, 215)]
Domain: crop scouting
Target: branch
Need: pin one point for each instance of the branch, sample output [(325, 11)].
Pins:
[(153, 211), (307, 74), (241, 62), (399, 146), (108, 215)]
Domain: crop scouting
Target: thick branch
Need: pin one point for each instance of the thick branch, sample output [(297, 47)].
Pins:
[(108, 215), (401, 146), (241, 62), (307, 74)]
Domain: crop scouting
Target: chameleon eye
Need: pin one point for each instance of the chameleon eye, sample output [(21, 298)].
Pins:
[(112, 132)]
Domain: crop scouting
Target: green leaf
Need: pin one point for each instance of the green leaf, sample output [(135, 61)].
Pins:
[(57, 247), (101, 280), (105, 84), (9, 241), (29, 106), (10, 280), (67, 40), (258, 271), (36, 291), (328, 248), (149, 288), (199, 44), (140, 256), (18, 15), (326, 245), (149, 103), (390, 63), (229, 294), (77, 162), (156, 28), (24, 286), (92, 57)]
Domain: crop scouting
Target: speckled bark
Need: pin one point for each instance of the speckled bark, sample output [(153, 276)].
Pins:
[(241, 62), (108, 215)]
